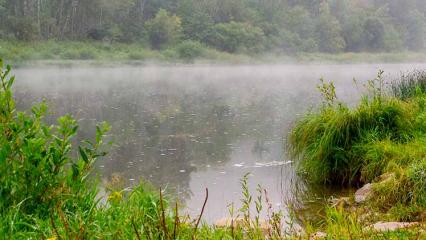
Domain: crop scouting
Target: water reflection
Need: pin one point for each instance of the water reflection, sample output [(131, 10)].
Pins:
[(187, 128)]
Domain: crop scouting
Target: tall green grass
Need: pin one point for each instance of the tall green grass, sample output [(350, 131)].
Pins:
[(409, 84), (330, 143), (381, 140)]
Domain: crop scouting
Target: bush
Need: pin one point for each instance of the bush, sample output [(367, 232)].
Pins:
[(45, 191), (87, 54), (37, 171), (98, 34), (189, 50), (163, 29)]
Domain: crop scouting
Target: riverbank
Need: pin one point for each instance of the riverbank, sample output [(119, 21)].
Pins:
[(378, 144), (105, 54)]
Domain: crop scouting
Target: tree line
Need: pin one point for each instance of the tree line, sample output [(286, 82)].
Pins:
[(228, 25)]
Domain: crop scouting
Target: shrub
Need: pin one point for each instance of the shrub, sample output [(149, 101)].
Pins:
[(87, 54), (163, 29), (98, 34), (36, 168), (189, 50)]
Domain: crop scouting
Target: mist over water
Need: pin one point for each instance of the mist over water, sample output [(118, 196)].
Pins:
[(187, 128)]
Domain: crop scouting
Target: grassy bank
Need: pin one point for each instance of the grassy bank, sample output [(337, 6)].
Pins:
[(381, 141), (55, 52), (60, 53)]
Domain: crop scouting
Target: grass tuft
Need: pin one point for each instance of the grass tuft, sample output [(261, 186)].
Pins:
[(381, 140)]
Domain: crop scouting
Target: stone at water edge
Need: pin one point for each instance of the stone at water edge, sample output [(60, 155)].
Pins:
[(340, 202), (228, 222), (392, 226), (364, 193), (318, 235)]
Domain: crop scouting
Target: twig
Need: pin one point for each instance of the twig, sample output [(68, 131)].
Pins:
[(201, 214), (176, 221), (163, 220), (136, 229)]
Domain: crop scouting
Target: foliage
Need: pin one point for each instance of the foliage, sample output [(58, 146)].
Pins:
[(374, 32), (235, 36), (189, 50), (38, 173), (329, 32), (287, 25), (163, 29)]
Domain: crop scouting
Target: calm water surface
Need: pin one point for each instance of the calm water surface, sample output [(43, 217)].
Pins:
[(187, 128)]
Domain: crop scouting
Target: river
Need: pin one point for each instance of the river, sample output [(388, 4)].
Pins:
[(187, 128)]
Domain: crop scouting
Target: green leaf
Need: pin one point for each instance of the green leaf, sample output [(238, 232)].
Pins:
[(74, 130), (98, 134), (75, 170), (83, 155), (10, 82)]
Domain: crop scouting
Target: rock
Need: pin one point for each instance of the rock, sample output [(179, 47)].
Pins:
[(392, 226), (228, 222), (318, 235), (239, 222), (341, 202), (364, 193)]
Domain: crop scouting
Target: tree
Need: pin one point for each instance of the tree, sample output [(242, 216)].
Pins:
[(329, 32), (163, 29), (196, 22), (353, 32), (298, 20), (223, 11), (236, 36), (416, 27), (374, 32), (392, 39)]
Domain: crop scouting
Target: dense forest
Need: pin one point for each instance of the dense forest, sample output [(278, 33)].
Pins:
[(286, 26)]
